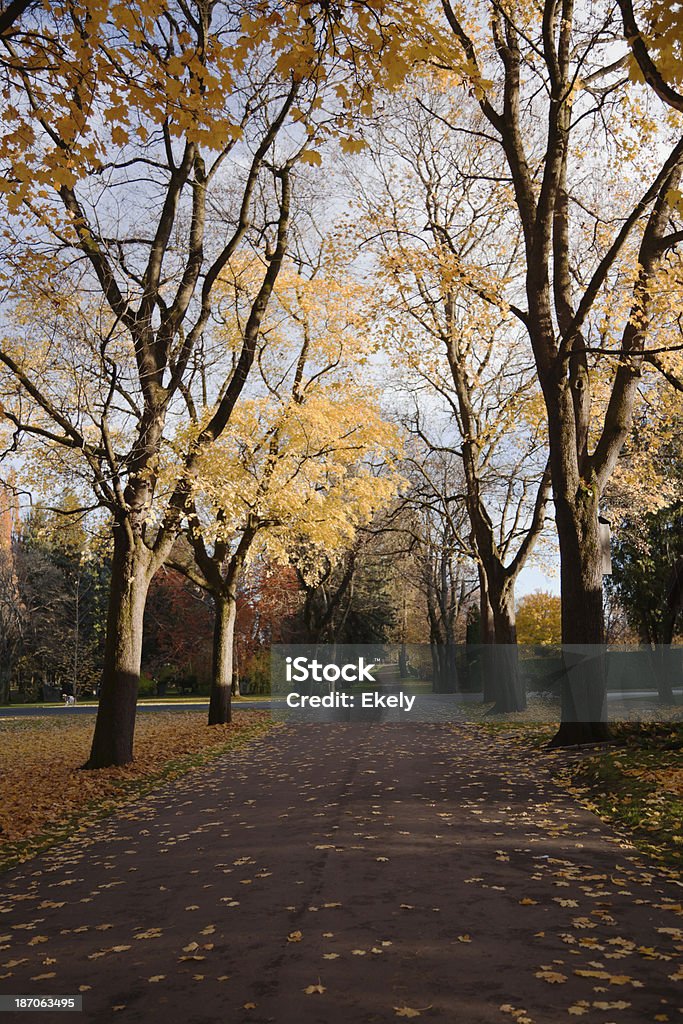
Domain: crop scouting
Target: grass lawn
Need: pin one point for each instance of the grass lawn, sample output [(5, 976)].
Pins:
[(170, 699), (44, 797), (635, 782)]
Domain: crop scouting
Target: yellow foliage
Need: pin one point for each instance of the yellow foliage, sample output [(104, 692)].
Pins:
[(539, 619), (97, 74), (299, 458)]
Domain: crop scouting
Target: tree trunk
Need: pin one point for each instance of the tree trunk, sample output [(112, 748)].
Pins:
[(486, 639), (112, 743), (451, 666), (5, 679), (440, 664), (235, 689), (584, 685), (506, 682), (436, 666), (220, 706), (403, 662), (664, 671)]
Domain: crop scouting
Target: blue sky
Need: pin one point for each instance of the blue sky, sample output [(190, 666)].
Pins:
[(531, 579)]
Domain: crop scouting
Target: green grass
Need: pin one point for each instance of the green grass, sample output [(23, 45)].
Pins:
[(628, 785), (169, 699), (624, 782)]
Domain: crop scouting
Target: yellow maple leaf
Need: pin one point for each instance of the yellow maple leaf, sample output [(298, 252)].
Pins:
[(552, 977)]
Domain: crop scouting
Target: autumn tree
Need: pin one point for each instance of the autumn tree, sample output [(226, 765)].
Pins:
[(139, 162), (554, 103), (655, 44), (268, 602), (436, 217), (435, 519), (11, 13), (539, 618), (296, 466), (177, 632)]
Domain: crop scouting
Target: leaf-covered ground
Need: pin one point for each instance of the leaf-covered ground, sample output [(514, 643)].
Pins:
[(634, 782), (638, 786), (43, 795), (351, 873)]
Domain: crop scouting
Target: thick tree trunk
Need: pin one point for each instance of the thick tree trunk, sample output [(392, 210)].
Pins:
[(403, 662), (220, 705), (506, 683), (444, 666), (584, 685), (112, 743), (664, 664), (487, 639)]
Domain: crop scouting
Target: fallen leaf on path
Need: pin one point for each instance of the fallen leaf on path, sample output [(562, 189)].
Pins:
[(552, 977)]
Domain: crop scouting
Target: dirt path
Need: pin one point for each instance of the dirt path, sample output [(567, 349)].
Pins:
[(399, 868)]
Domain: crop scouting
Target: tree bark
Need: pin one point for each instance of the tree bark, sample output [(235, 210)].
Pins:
[(503, 663), (220, 705), (5, 679), (584, 684), (112, 743), (403, 662), (664, 669)]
